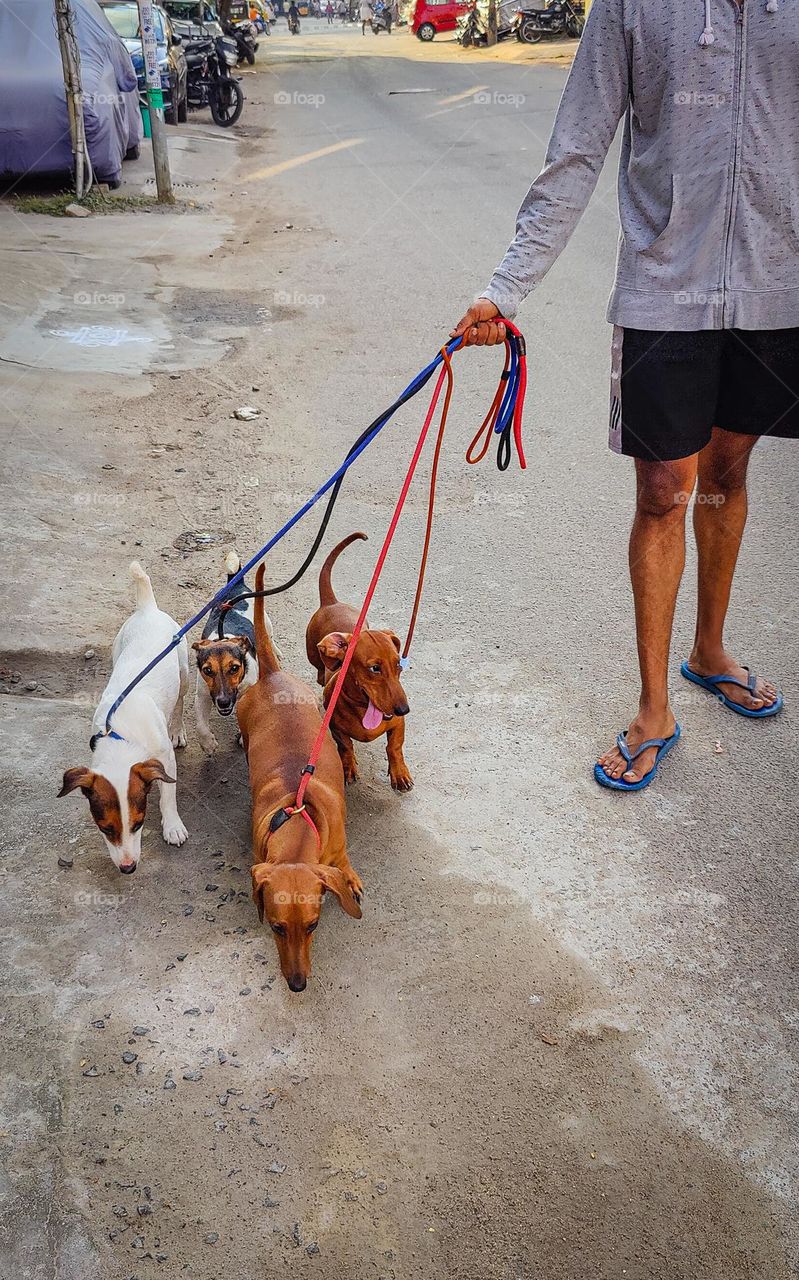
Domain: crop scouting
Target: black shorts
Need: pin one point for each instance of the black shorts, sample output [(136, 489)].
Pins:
[(668, 390)]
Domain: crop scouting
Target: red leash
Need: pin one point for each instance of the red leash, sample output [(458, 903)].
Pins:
[(488, 426), (446, 370)]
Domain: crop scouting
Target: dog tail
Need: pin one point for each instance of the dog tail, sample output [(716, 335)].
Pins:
[(232, 563), (326, 593), (265, 653), (145, 596)]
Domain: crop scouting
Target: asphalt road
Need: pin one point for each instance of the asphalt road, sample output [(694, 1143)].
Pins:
[(561, 1042)]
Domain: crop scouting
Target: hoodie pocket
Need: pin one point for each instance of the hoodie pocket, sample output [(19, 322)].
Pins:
[(687, 253), (656, 248), (765, 245)]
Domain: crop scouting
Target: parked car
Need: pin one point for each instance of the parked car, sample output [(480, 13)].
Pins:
[(431, 17), (199, 13), (124, 18), (34, 124)]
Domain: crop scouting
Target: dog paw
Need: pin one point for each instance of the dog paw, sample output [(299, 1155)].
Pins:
[(350, 774), (208, 743), (179, 739), (174, 831), (401, 779), (355, 885)]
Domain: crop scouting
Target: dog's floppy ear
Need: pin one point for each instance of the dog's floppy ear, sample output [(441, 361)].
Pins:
[(333, 647), (261, 873), (243, 643), (335, 880), (78, 777), (395, 640), (198, 644), (150, 771)]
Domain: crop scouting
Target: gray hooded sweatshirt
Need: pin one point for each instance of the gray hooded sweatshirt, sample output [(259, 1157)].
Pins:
[(709, 172)]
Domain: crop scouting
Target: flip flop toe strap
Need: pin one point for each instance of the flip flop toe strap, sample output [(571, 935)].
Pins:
[(631, 757), (742, 684)]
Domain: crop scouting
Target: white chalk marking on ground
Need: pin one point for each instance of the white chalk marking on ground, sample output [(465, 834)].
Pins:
[(470, 103), (459, 97), (97, 335)]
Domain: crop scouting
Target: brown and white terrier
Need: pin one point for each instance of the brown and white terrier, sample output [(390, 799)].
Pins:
[(226, 666), (372, 701), (140, 749)]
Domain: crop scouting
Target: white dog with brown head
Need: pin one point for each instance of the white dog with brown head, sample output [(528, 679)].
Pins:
[(140, 749)]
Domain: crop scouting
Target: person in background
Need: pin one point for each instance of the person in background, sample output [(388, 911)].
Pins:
[(329, 14), (366, 16)]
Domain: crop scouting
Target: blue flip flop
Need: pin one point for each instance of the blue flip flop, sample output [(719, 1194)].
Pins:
[(711, 683), (618, 784)]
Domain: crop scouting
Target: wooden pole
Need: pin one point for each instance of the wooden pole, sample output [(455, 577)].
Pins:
[(70, 61), (155, 102), (491, 30)]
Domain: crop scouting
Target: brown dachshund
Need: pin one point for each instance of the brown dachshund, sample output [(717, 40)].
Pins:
[(294, 864), (372, 700)]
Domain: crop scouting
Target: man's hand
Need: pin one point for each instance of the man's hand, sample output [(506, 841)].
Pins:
[(480, 326)]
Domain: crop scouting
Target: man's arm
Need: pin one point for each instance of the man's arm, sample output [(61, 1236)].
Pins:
[(593, 102)]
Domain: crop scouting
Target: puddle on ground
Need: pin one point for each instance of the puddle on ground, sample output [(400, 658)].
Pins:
[(127, 325)]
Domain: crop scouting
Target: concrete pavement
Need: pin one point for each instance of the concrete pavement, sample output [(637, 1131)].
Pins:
[(561, 1042)]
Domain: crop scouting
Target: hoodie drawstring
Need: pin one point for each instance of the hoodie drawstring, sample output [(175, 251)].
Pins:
[(708, 36)]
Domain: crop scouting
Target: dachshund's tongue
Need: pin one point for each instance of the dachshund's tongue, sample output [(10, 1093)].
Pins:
[(372, 716)]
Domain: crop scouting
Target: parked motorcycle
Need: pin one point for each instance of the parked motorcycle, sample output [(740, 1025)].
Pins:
[(244, 34), (472, 27), (559, 17), (210, 81), (381, 21)]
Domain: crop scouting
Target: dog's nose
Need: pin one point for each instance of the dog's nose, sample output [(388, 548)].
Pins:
[(224, 704), (401, 709), (297, 982), (127, 868)]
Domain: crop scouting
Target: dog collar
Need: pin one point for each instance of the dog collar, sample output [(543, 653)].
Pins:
[(287, 812), (110, 733)]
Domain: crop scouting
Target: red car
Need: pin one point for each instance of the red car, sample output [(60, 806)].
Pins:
[(433, 16)]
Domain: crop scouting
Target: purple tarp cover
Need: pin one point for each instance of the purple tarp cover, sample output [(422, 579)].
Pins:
[(34, 125)]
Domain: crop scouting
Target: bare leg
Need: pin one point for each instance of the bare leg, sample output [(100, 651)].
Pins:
[(347, 753), (202, 711), (657, 560), (172, 827), (177, 728), (398, 770), (719, 518)]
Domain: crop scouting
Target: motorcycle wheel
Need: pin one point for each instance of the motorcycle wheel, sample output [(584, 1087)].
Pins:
[(226, 101), (251, 57), (574, 27), (529, 33)]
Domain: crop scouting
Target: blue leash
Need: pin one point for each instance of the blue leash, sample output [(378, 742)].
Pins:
[(334, 480)]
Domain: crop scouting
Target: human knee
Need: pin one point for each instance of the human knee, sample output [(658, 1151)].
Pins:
[(723, 478), (663, 490)]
